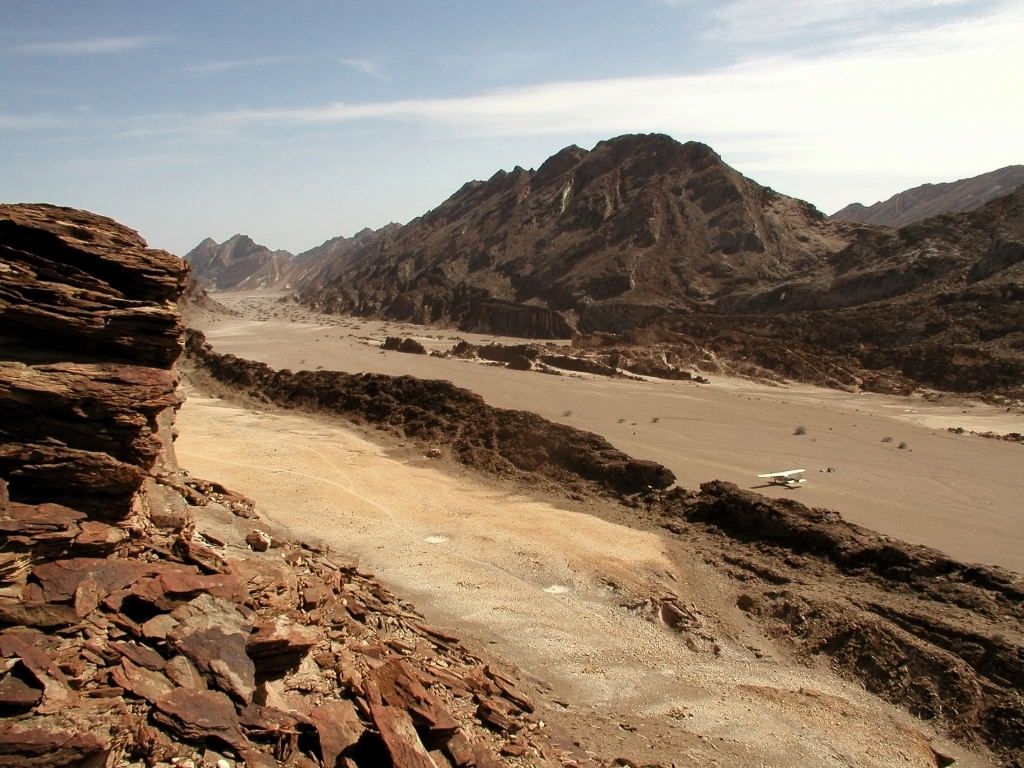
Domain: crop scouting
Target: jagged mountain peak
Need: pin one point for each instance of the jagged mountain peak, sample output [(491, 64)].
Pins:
[(640, 222), (239, 263)]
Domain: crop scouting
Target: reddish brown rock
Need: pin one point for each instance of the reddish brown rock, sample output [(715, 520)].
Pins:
[(60, 580), (145, 683), (43, 615), (400, 687), (279, 644), (182, 671), (213, 633), (399, 736), (39, 664), (258, 540), (201, 715), (338, 727), (142, 655), (23, 744), (17, 694)]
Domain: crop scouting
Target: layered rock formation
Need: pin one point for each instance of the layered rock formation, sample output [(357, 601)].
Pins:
[(647, 238), (940, 302), (147, 617), (238, 264), (89, 334), (927, 200)]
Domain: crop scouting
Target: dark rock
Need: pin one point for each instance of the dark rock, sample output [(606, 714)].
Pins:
[(434, 412), (410, 346)]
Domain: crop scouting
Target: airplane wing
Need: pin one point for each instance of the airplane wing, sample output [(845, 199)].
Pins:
[(784, 473)]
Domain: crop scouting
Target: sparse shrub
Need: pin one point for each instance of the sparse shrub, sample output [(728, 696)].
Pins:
[(566, 414), (902, 446), (800, 431), (654, 419), (886, 439), (621, 421)]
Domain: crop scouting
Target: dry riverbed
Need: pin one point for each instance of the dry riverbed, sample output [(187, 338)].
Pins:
[(956, 492), (560, 593)]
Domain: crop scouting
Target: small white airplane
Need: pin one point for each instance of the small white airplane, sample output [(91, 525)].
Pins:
[(787, 477)]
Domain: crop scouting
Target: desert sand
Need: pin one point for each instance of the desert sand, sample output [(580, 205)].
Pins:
[(561, 594), (959, 493)]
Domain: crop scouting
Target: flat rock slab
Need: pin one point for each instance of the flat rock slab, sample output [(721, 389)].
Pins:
[(213, 634), (200, 715)]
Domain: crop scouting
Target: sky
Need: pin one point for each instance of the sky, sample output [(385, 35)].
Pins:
[(294, 122)]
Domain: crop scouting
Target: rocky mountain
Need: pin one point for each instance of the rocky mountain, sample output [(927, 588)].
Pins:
[(658, 242), (238, 264), (940, 301), (928, 200), (598, 239)]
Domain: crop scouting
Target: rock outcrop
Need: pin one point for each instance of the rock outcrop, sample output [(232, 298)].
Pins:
[(148, 617), (644, 236), (927, 200), (941, 638), (89, 334)]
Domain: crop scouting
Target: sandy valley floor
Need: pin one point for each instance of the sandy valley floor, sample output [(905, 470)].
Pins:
[(556, 592), (959, 493)]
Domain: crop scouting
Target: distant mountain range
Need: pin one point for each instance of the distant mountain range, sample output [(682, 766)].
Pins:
[(238, 264), (928, 200), (645, 234)]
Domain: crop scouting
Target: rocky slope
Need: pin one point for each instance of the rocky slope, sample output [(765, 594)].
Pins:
[(148, 617), (238, 264), (940, 302), (591, 240), (919, 203)]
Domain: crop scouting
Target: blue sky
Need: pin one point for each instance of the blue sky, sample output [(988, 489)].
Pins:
[(298, 121)]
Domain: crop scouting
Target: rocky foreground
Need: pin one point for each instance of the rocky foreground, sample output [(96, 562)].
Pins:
[(147, 616)]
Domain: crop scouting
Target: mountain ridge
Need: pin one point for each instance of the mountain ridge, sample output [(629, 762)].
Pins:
[(933, 199), (239, 263), (640, 219)]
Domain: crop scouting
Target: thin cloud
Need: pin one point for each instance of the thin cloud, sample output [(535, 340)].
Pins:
[(25, 122), (893, 105), (87, 46), (805, 20), (367, 67), (226, 65)]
